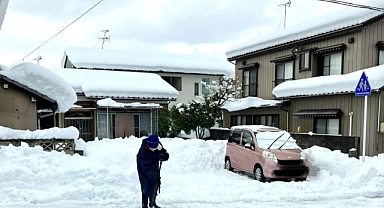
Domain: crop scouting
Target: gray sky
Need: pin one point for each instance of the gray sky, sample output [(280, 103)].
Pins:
[(165, 26)]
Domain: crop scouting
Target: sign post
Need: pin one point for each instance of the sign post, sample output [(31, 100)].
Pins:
[(363, 88)]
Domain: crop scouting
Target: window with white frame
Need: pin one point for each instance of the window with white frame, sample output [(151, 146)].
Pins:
[(284, 72), (204, 88)]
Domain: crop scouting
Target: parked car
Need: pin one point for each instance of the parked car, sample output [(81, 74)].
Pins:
[(268, 153)]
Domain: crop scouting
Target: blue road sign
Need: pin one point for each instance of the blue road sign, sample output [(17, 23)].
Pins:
[(363, 87)]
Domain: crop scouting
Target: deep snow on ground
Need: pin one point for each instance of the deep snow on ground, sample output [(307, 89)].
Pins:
[(193, 177)]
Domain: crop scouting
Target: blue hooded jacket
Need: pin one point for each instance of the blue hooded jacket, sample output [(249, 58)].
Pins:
[(148, 168)]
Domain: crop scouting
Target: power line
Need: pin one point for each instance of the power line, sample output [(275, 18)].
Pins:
[(355, 5), (60, 31)]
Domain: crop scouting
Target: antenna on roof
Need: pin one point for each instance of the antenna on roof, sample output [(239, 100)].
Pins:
[(285, 10), (38, 58), (104, 38)]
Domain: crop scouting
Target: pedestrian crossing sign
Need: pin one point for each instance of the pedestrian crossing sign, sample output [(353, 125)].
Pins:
[(363, 87)]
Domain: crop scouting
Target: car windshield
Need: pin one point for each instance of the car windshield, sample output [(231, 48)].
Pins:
[(265, 139)]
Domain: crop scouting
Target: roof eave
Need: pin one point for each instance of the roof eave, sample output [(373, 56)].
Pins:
[(134, 98), (300, 41), (149, 71), (26, 88)]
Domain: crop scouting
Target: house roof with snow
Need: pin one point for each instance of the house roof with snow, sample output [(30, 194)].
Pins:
[(328, 85), (93, 58), (118, 84), (3, 9), (40, 81), (232, 105), (345, 19)]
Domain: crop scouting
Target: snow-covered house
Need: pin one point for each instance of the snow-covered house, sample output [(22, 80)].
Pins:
[(27, 90), (114, 104), (31, 95), (184, 72), (314, 67)]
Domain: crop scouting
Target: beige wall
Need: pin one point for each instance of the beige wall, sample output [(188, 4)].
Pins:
[(188, 86), (16, 109)]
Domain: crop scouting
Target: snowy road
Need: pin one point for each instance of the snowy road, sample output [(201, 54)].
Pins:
[(368, 200), (194, 177)]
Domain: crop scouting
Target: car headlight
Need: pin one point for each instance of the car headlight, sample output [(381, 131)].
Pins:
[(303, 156), (269, 155)]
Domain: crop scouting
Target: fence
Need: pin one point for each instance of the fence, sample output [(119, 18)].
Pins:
[(332, 142), (66, 145), (219, 133)]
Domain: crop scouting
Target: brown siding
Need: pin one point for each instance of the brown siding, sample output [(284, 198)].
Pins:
[(360, 54), (370, 36), (17, 111), (347, 103)]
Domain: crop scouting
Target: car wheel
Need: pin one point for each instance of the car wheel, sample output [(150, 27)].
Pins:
[(258, 173), (228, 164)]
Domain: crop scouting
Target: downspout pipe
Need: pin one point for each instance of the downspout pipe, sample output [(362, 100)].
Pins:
[(350, 123), (378, 111), (282, 108)]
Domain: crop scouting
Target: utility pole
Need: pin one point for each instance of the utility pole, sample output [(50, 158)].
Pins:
[(354, 5), (285, 10), (104, 38), (38, 58)]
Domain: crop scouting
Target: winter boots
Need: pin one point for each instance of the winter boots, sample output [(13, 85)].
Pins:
[(154, 206), (144, 202)]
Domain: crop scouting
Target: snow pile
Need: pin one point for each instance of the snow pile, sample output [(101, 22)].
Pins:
[(55, 132), (249, 102), (119, 84), (341, 171), (108, 102), (344, 83), (193, 177)]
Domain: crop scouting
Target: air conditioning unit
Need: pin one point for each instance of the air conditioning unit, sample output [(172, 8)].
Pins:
[(382, 127)]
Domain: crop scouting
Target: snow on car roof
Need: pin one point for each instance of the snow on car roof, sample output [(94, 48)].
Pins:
[(265, 135), (257, 128)]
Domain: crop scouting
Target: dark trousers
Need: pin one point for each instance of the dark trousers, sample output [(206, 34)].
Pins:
[(144, 201)]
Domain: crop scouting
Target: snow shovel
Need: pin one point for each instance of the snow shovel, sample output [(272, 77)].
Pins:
[(157, 187)]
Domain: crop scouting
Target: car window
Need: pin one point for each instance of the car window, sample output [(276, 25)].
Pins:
[(235, 136), (247, 138)]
